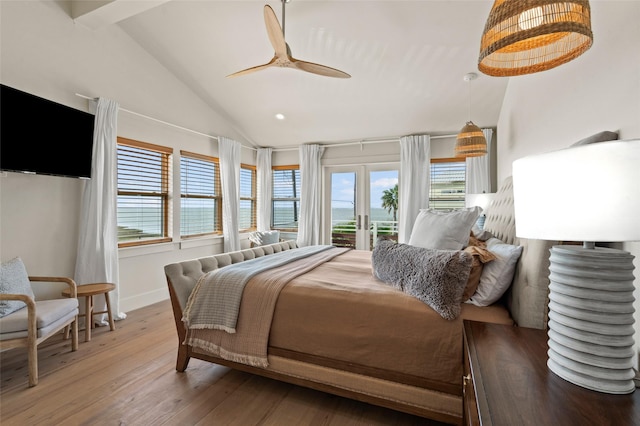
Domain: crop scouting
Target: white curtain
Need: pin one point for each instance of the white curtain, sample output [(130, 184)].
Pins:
[(309, 225), (230, 181), (97, 255), (413, 188), (263, 171), (479, 169)]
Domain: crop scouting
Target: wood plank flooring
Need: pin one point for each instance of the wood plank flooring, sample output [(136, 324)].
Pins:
[(128, 377)]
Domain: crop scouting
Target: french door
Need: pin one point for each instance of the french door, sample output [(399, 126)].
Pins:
[(360, 204)]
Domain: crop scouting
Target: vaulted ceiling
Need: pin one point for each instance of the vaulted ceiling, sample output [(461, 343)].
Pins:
[(407, 60)]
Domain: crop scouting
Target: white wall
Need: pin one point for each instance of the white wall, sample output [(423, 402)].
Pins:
[(599, 90), (45, 53)]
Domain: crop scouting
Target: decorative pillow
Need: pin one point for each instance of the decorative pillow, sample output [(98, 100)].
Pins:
[(435, 277), (480, 256), (443, 231), (263, 238), (13, 280), (497, 275), (475, 241)]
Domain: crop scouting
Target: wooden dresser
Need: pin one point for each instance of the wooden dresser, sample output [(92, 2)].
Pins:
[(507, 382)]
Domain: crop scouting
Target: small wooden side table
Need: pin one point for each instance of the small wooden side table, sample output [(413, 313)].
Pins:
[(88, 291)]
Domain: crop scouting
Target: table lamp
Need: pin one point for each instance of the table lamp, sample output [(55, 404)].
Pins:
[(482, 200), (587, 194)]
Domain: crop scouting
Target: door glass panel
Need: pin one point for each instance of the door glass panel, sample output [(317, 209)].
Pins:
[(383, 205), (343, 209), (360, 204)]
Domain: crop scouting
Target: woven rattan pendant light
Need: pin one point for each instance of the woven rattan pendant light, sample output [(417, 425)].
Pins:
[(470, 141), (528, 36)]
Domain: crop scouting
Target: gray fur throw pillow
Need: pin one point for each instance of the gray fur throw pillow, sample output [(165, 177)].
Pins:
[(435, 277)]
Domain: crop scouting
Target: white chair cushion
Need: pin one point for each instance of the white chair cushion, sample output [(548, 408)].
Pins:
[(48, 314)]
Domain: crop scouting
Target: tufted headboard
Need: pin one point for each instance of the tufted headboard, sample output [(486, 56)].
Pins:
[(527, 299), (183, 276)]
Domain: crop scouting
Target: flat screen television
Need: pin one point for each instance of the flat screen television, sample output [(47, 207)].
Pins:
[(39, 136)]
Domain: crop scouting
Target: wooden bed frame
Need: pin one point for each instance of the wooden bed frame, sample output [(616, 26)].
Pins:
[(526, 301)]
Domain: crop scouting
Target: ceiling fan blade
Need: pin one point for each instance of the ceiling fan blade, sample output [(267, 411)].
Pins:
[(282, 57), (253, 69), (274, 31), (319, 69)]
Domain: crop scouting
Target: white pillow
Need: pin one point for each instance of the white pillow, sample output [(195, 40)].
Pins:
[(263, 238), (443, 231), (13, 280), (496, 275)]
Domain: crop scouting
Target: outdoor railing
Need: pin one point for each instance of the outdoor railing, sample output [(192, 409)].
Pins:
[(343, 233)]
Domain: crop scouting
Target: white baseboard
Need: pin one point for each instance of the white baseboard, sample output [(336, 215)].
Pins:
[(141, 300)]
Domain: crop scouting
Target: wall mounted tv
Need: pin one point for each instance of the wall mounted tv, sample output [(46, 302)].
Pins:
[(39, 136)]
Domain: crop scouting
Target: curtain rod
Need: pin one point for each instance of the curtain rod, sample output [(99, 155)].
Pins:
[(345, 143), (364, 142), (162, 122)]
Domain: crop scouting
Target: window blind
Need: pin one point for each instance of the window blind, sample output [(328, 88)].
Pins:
[(143, 191), (247, 219), (286, 198), (448, 181), (200, 195)]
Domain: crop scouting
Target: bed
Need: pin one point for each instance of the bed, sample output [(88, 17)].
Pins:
[(331, 325)]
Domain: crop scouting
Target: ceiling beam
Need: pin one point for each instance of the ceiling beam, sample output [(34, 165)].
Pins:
[(99, 14)]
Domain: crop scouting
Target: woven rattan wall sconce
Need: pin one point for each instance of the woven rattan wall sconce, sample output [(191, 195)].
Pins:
[(528, 36)]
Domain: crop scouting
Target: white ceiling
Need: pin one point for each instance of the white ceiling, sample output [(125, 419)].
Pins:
[(407, 60)]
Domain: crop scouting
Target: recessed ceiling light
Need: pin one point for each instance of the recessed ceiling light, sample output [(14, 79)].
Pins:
[(280, 116)]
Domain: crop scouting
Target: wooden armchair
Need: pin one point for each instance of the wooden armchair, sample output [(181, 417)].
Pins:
[(39, 320)]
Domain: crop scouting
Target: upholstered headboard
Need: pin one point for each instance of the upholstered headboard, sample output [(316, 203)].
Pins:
[(527, 299), (184, 275)]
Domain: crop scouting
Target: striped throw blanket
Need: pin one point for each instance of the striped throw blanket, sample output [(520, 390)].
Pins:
[(248, 344), (215, 300)]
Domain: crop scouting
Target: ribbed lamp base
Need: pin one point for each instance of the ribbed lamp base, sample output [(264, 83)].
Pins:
[(591, 318)]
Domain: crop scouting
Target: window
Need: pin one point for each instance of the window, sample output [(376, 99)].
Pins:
[(143, 193), (200, 195), (247, 219), (286, 197), (448, 183)]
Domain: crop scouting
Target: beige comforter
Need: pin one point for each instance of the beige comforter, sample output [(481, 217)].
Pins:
[(338, 315)]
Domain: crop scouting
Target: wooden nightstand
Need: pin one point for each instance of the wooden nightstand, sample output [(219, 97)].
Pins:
[(507, 382)]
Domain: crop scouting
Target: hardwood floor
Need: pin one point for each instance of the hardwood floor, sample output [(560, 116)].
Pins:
[(128, 377)]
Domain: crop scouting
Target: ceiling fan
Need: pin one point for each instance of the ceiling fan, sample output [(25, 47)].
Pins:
[(282, 57)]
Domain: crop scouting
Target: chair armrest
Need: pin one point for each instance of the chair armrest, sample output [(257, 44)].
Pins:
[(71, 283), (31, 311), (23, 297)]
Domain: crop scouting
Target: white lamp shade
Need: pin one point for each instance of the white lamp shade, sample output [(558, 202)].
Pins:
[(583, 193), (481, 200)]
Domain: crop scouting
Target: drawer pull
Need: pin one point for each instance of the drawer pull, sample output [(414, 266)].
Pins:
[(466, 379)]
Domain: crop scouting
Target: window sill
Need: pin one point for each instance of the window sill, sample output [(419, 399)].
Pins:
[(210, 240), (144, 250)]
